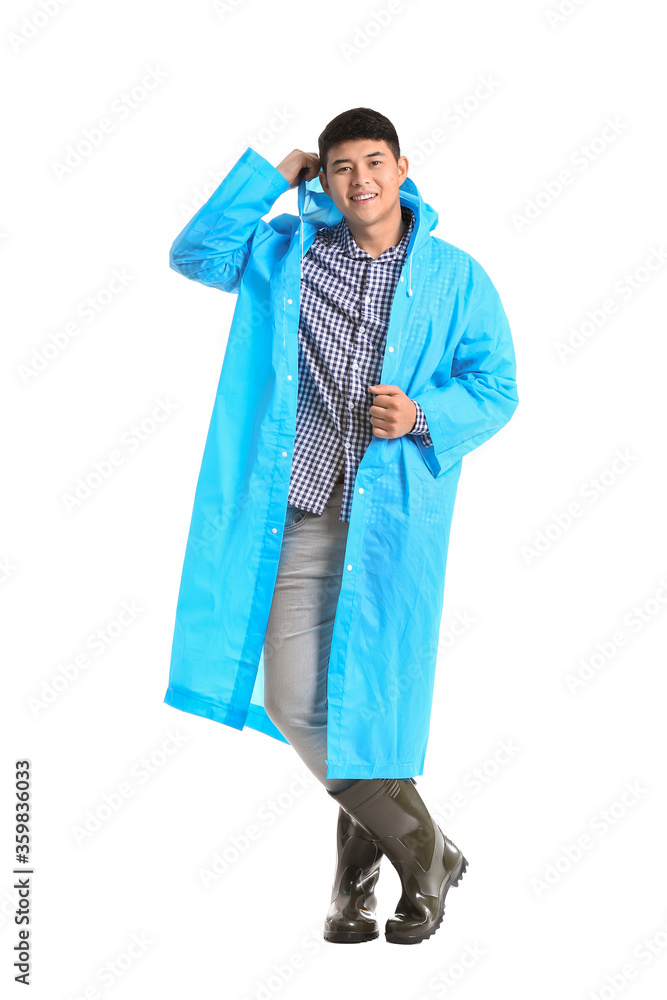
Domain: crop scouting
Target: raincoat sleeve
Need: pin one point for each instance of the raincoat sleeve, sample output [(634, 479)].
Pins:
[(477, 394), (215, 245)]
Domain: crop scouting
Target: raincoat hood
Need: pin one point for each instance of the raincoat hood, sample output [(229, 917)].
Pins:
[(317, 209)]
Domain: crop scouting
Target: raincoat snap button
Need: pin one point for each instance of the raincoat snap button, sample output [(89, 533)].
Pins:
[(349, 566), (289, 377), (289, 302), (391, 348), (361, 489), (402, 277), (284, 454), (274, 530)]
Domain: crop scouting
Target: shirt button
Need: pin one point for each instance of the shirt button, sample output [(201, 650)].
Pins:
[(361, 329), (350, 406), (354, 364)]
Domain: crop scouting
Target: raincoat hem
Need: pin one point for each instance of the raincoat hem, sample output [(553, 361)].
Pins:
[(402, 770), (256, 717)]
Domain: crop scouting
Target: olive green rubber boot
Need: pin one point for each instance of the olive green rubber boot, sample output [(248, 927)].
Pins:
[(351, 916), (393, 813)]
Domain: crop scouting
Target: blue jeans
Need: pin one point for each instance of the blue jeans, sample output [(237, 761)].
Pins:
[(299, 630)]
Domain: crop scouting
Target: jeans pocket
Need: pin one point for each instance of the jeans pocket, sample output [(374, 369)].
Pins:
[(294, 516)]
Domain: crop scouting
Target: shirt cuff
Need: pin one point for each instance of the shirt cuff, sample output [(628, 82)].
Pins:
[(421, 427)]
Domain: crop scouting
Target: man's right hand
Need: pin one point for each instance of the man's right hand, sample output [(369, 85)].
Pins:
[(294, 163)]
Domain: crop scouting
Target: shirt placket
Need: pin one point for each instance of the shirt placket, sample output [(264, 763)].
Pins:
[(359, 357), (343, 389)]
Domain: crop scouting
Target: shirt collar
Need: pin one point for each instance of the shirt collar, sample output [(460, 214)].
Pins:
[(340, 239)]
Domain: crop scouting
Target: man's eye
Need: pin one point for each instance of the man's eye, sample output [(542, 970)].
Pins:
[(347, 168)]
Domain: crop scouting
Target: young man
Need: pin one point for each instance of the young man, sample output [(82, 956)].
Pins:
[(365, 358)]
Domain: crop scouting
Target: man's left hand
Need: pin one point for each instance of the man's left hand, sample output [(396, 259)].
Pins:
[(393, 414)]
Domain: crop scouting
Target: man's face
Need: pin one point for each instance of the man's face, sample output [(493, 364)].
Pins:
[(364, 166)]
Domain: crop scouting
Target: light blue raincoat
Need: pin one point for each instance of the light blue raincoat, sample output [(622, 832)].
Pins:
[(449, 347)]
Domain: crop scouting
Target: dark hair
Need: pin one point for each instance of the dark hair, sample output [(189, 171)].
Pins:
[(357, 123)]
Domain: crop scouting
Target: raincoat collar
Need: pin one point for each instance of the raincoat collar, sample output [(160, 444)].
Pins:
[(343, 242), (316, 209)]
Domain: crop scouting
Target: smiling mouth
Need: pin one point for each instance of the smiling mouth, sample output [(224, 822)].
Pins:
[(362, 199)]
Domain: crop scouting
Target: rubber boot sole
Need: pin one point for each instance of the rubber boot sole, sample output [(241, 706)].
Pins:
[(455, 878), (349, 937)]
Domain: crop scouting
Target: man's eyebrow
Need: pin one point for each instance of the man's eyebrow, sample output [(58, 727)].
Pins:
[(347, 160)]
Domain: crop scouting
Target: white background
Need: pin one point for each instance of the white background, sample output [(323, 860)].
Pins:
[(532, 917)]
